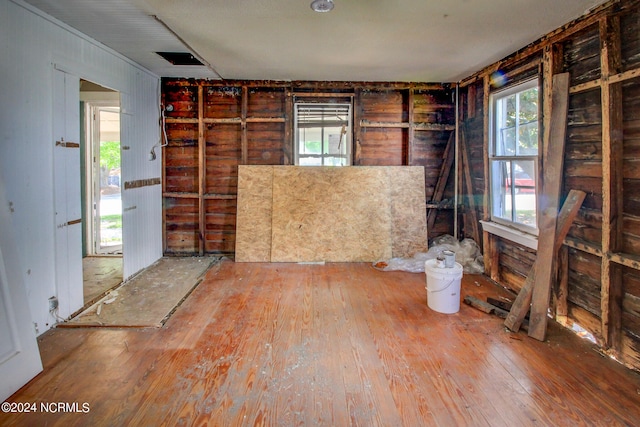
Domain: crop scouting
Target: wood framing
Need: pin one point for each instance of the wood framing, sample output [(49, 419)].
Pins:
[(215, 126), (599, 266)]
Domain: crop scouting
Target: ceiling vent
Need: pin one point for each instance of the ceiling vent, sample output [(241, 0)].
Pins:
[(180, 58)]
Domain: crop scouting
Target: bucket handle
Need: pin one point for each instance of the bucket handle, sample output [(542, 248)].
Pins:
[(442, 289)]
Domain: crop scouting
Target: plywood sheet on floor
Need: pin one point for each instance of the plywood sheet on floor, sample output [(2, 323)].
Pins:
[(356, 214), (100, 273), (149, 298)]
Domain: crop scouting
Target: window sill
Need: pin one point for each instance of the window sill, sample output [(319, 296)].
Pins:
[(516, 236)]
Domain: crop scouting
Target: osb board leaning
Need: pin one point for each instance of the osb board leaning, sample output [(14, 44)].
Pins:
[(353, 214), (253, 217)]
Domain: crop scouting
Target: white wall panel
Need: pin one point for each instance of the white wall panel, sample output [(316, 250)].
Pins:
[(32, 45)]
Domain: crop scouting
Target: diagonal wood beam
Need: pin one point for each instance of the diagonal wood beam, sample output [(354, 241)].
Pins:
[(443, 177), (567, 214)]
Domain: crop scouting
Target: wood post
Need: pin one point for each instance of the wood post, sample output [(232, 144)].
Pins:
[(612, 182), (202, 173)]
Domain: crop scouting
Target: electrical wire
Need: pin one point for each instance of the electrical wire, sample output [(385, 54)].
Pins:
[(164, 141)]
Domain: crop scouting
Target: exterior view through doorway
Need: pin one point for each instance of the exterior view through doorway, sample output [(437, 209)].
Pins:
[(102, 203)]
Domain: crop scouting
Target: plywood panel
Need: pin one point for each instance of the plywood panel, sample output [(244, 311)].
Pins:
[(408, 213), (330, 214), (253, 224)]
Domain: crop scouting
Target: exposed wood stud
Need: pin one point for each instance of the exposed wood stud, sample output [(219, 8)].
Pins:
[(411, 131), (494, 261), (202, 169), (471, 101), (488, 242), (357, 127), (612, 169), (243, 117), (561, 303), (289, 137)]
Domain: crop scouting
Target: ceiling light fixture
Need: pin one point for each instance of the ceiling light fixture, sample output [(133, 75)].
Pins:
[(322, 5)]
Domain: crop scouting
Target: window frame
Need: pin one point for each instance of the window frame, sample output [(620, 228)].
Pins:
[(494, 98), (347, 141)]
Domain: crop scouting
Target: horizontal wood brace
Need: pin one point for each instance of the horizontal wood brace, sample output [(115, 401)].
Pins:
[(265, 120), (68, 223), (323, 94), (181, 120), (220, 196), (142, 183), (583, 87), (628, 260), (231, 120), (369, 124), (439, 206), (583, 246), (433, 126), (174, 195), (66, 144), (616, 78), (197, 196), (626, 75)]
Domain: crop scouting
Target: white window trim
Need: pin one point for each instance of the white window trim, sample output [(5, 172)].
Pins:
[(522, 234), (349, 130), (512, 234)]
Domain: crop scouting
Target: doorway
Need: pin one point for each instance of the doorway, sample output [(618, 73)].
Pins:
[(102, 202)]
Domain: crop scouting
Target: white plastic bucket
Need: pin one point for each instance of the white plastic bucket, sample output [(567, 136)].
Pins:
[(443, 287)]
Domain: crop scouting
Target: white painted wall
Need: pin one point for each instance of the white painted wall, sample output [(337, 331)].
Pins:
[(32, 45)]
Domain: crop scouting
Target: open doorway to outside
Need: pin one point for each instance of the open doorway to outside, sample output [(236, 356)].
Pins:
[(101, 189)]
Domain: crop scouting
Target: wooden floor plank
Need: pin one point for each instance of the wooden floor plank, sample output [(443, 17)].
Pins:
[(100, 274), (334, 344)]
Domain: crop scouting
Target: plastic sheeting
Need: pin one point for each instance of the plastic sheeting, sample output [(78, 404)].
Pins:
[(467, 254)]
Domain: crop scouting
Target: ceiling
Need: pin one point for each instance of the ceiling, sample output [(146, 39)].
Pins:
[(360, 40)]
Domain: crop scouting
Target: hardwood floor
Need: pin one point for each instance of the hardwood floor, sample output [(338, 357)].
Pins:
[(335, 345)]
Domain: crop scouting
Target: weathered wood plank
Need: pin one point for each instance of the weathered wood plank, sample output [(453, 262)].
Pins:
[(565, 218), (468, 181), (545, 261), (443, 177)]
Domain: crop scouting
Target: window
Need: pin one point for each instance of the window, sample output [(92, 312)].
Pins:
[(323, 134), (514, 155)]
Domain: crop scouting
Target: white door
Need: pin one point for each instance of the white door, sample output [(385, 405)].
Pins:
[(67, 192), (19, 355), (103, 147)]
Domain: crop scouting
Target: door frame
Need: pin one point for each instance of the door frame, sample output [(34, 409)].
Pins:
[(91, 195)]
